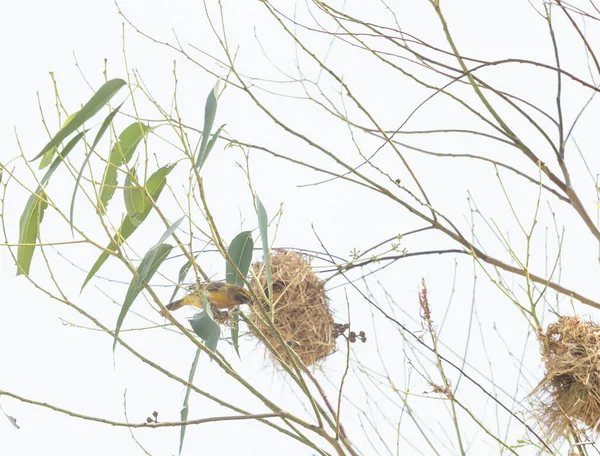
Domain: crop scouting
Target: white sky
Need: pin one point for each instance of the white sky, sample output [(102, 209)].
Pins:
[(43, 359)]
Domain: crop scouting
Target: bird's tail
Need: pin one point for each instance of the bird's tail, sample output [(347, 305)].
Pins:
[(173, 306)]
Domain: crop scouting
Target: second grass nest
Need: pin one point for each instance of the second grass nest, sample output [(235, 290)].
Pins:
[(570, 392)]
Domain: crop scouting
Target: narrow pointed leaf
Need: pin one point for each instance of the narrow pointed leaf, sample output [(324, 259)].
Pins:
[(155, 185), (48, 156), (120, 154), (185, 409), (60, 158), (135, 199), (107, 121), (210, 110), (28, 230), (149, 265), (98, 100), (263, 223), (33, 213), (170, 231), (130, 138), (210, 146), (240, 251), (182, 275)]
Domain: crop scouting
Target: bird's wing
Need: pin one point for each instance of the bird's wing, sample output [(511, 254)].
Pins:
[(216, 286)]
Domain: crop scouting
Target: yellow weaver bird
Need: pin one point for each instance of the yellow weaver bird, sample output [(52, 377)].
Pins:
[(222, 295)]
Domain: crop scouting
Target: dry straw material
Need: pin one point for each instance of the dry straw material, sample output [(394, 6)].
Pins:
[(570, 392), (301, 313)]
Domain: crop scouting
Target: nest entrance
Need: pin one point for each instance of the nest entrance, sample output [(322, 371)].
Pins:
[(302, 316), (570, 393)]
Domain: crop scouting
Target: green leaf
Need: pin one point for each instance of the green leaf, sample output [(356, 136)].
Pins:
[(135, 198), (63, 154), (98, 100), (121, 153), (210, 145), (48, 156), (28, 230), (155, 185), (33, 213), (129, 139), (150, 263), (207, 329), (182, 275), (185, 408), (263, 223), (148, 266), (210, 110), (240, 252), (107, 121)]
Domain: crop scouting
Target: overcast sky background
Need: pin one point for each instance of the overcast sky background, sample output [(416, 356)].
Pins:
[(44, 359)]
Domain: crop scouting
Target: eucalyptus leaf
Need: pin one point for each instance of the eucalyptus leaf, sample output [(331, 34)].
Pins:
[(135, 198), (31, 218), (155, 185), (95, 103), (29, 227), (210, 110), (240, 251), (120, 154), (107, 121), (185, 409), (263, 223), (210, 145), (48, 156), (148, 266), (207, 329), (183, 271)]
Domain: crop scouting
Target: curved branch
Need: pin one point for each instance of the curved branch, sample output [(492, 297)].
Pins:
[(144, 424)]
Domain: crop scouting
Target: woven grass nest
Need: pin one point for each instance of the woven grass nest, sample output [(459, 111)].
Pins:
[(570, 392), (301, 313)]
